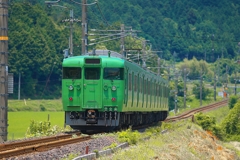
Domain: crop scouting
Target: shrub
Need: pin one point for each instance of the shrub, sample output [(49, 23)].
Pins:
[(132, 137), (42, 108), (231, 124), (232, 101), (205, 121), (37, 129)]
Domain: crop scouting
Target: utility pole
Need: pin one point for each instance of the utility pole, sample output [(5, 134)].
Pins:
[(122, 40), (215, 80), (185, 81), (201, 79), (71, 33), (144, 55), (176, 89), (19, 86), (3, 70), (235, 88), (225, 88), (213, 47), (84, 27), (71, 20), (159, 66)]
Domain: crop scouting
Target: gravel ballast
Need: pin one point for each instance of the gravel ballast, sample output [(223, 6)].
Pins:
[(78, 149)]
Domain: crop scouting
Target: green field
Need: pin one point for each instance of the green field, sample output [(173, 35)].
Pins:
[(19, 121)]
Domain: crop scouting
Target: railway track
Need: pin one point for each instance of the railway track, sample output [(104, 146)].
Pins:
[(43, 144), (39, 145), (191, 113)]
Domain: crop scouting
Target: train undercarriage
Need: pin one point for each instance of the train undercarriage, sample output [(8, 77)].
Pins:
[(109, 121)]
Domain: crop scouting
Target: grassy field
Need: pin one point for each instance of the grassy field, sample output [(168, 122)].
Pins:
[(54, 105), (20, 121)]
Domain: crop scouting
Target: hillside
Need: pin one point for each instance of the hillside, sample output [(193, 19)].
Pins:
[(180, 29)]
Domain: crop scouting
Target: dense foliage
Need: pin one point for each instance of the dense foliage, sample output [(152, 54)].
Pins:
[(229, 129), (232, 101), (231, 124), (43, 128), (183, 29)]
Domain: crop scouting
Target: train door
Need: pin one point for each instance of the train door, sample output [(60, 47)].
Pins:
[(92, 88)]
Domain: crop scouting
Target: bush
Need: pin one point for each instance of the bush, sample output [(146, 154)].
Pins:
[(42, 108), (208, 123), (132, 137), (231, 124), (37, 129), (205, 121), (232, 101)]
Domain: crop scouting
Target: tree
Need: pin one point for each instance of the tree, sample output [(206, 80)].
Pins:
[(196, 91), (231, 124)]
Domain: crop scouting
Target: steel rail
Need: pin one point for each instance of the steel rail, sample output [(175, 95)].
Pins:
[(8, 146), (192, 112), (41, 147)]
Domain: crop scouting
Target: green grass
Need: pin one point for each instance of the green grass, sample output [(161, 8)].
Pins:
[(184, 140), (35, 105), (193, 103), (19, 121), (219, 113)]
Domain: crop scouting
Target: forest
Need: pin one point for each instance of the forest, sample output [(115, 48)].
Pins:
[(183, 31)]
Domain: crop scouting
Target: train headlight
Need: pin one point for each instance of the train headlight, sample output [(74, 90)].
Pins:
[(70, 98), (113, 99), (70, 87), (114, 88)]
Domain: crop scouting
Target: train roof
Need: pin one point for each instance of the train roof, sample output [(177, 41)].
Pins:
[(116, 58), (99, 52)]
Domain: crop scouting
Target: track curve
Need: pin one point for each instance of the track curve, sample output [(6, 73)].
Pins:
[(191, 113)]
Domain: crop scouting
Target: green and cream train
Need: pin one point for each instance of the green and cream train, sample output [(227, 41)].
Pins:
[(104, 91)]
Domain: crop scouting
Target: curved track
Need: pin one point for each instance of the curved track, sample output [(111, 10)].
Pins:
[(201, 109), (43, 144), (38, 145)]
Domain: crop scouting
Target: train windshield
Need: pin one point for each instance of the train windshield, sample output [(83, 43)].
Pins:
[(92, 73), (113, 73), (72, 73)]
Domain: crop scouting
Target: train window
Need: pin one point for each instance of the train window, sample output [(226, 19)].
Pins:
[(145, 86), (135, 83), (72, 73), (129, 81), (92, 73), (149, 87), (92, 61), (140, 85), (113, 73)]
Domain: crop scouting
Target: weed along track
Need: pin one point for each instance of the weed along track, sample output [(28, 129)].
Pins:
[(38, 145), (191, 113)]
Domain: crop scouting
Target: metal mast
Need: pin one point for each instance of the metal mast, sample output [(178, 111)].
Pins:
[(122, 40), (84, 27), (3, 69)]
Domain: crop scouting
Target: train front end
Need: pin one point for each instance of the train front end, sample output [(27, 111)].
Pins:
[(92, 92)]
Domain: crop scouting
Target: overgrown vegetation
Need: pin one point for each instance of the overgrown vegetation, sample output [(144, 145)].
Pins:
[(232, 101), (44, 128), (132, 137), (228, 129), (183, 140)]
